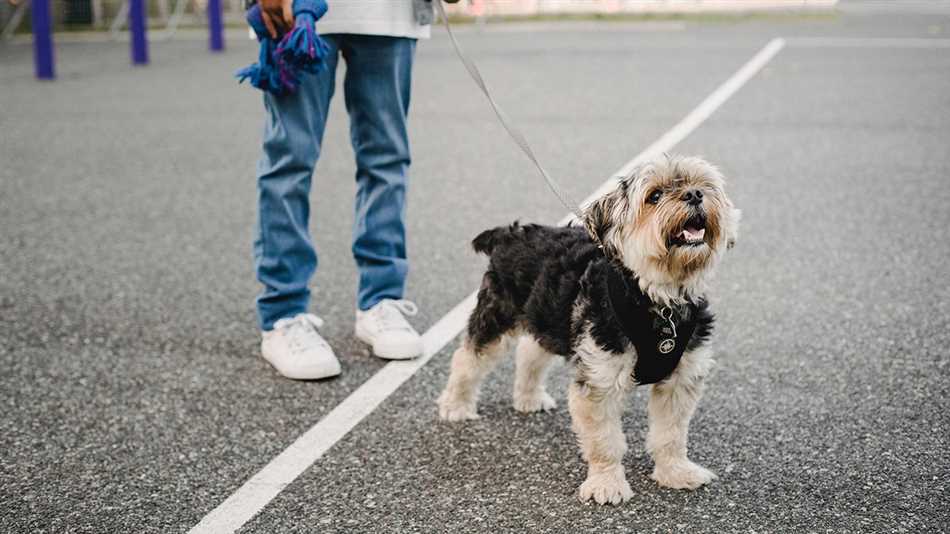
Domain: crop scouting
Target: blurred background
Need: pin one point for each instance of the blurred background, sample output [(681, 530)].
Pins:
[(133, 397), (83, 15)]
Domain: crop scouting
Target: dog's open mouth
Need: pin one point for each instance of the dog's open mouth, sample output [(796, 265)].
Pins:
[(692, 234)]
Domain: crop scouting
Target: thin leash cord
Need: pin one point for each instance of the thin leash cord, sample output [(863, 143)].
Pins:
[(515, 134)]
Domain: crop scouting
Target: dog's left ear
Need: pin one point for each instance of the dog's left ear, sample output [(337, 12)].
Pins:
[(603, 214)]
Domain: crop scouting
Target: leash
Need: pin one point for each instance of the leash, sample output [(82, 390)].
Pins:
[(513, 132), (667, 352)]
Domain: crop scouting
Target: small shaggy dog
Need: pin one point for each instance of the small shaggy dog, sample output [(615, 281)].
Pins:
[(624, 298)]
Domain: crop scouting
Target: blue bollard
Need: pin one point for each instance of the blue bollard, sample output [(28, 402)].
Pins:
[(215, 26), (137, 28), (42, 39)]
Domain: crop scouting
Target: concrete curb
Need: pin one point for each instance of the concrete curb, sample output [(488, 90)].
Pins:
[(490, 8), (517, 8)]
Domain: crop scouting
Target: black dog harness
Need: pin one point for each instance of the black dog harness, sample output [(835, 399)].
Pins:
[(660, 337)]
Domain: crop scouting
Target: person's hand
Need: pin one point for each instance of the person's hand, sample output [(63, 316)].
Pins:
[(278, 16)]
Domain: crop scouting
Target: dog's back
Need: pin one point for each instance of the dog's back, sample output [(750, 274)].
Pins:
[(532, 278), (506, 236), (539, 240)]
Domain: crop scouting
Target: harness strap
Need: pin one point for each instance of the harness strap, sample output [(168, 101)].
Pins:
[(645, 329)]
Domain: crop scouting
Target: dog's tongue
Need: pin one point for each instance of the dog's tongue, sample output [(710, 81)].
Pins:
[(692, 234)]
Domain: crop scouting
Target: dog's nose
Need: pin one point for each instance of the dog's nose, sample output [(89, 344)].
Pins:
[(693, 197)]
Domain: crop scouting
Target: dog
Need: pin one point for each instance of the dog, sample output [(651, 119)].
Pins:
[(624, 297)]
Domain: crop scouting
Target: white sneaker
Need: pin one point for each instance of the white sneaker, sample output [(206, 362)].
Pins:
[(385, 328), (297, 350)]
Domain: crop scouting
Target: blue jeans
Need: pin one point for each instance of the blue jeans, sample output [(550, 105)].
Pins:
[(376, 87)]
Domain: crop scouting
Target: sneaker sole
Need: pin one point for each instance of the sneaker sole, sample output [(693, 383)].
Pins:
[(389, 353), (310, 373)]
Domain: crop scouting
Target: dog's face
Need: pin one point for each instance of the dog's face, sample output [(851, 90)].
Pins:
[(668, 221)]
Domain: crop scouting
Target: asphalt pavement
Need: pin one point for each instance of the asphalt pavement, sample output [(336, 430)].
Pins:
[(133, 395)]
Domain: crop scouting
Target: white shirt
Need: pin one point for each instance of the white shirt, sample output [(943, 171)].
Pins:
[(372, 17)]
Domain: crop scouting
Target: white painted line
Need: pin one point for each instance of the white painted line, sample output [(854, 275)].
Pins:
[(260, 489), (869, 42), (902, 7), (570, 26)]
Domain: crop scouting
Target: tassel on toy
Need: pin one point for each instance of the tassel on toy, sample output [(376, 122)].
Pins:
[(302, 49), (280, 63), (265, 74)]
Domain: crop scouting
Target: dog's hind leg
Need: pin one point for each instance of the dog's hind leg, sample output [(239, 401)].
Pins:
[(531, 369), (459, 399), (490, 327), (672, 403)]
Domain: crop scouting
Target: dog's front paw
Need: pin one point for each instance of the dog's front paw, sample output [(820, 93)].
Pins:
[(534, 402), (606, 487), (683, 474), (453, 410), (457, 413)]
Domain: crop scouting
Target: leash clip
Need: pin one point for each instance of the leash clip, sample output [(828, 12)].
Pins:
[(666, 346), (667, 313)]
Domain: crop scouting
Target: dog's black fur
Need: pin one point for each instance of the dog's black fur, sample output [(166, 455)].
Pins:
[(538, 275)]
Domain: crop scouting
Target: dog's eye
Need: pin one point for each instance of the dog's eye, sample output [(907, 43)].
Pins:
[(654, 197)]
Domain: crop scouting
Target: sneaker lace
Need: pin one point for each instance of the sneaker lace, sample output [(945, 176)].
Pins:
[(390, 314), (302, 334)]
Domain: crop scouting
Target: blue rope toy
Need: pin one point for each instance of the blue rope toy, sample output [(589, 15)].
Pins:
[(281, 62)]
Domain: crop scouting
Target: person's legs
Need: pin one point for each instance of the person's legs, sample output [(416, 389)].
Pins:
[(283, 252), (377, 85)]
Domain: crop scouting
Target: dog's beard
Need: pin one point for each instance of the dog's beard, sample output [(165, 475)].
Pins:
[(688, 237), (673, 248)]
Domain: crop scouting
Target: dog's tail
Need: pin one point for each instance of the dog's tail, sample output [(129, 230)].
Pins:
[(486, 241)]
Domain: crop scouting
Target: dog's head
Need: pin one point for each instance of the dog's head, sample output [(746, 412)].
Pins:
[(669, 222)]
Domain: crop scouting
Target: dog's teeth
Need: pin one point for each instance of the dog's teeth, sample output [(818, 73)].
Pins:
[(693, 236)]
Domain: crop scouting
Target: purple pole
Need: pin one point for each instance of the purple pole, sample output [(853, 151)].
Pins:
[(42, 39), (216, 35), (137, 28)]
